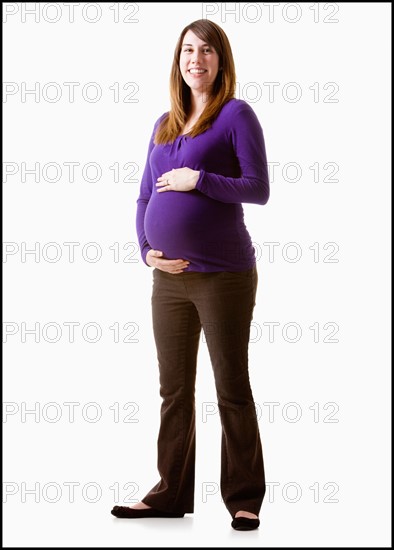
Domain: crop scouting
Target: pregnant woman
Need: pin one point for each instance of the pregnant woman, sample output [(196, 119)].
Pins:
[(206, 157)]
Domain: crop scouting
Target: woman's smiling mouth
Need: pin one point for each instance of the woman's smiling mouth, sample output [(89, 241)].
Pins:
[(197, 71)]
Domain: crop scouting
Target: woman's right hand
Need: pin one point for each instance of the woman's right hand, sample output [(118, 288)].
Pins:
[(154, 259)]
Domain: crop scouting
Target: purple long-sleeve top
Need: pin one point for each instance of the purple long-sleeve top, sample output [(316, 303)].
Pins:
[(206, 225)]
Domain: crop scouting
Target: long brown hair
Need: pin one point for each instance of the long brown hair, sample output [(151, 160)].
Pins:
[(222, 91)]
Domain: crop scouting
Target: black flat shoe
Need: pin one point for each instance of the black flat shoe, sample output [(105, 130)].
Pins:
[(126, 512), (245, 524)]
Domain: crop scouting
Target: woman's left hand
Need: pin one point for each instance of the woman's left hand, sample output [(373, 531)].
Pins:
[(178, 179)]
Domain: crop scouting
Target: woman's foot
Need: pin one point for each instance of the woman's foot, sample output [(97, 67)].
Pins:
[(142, 510), (140, 506), (243, 514), (245, 521)]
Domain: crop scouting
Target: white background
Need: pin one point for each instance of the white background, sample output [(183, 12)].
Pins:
[(345, 455)]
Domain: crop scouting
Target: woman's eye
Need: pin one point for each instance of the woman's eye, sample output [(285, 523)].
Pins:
[(206, 50)]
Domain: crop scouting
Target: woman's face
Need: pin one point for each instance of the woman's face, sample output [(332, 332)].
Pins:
[(198, 62)]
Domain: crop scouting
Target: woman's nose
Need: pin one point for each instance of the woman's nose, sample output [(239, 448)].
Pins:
[(196, 57)]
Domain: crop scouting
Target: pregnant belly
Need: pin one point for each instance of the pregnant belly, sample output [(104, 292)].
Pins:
[(179, 223)]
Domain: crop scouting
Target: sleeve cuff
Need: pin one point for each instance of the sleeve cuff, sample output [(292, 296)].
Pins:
[(200, 181), (144, 254)]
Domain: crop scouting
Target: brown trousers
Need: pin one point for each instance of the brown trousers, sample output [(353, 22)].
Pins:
[(222, 304)]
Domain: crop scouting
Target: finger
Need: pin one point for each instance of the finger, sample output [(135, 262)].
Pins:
[(173, 263), (164, 176), (168, 268)]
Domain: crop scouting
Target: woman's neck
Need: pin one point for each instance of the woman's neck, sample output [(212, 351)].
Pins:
[(198, 102)]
